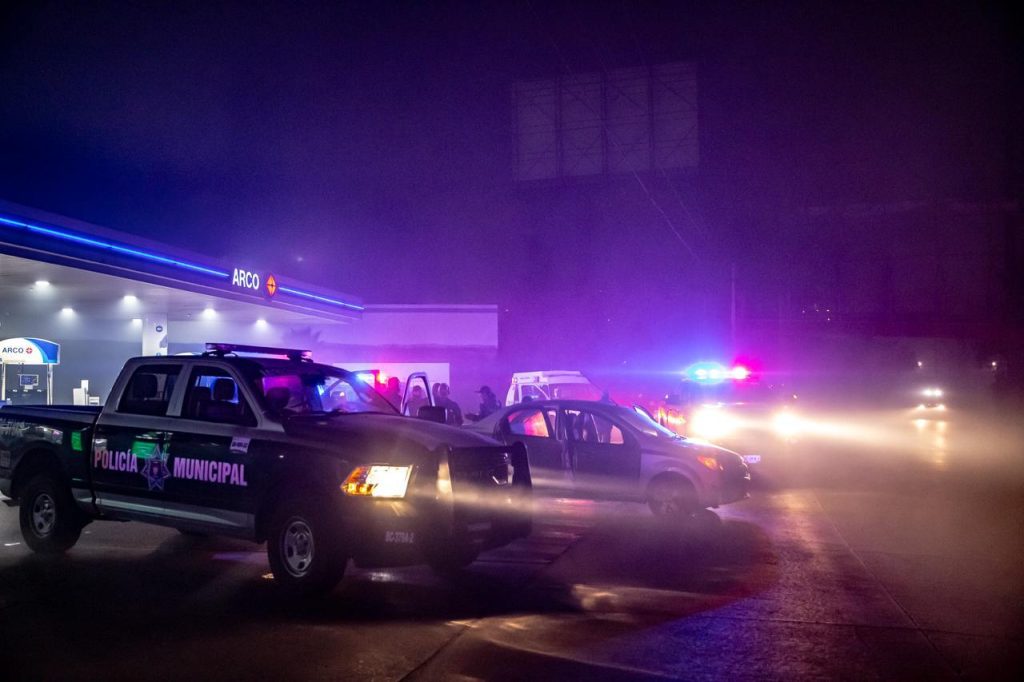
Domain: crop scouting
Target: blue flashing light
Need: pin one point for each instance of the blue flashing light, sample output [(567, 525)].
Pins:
[(318, 298), (707, 373), (116, 248)]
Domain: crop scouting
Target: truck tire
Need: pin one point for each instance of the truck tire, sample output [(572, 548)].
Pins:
[(305, 549), (672, 497), (50, 521)]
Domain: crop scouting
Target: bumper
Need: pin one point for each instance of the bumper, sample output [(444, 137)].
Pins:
[(734, 483), (395, 537), (480, 517)]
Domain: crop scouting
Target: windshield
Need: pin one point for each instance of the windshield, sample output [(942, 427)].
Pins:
[(641, 421), (728, 392), (319, 389), (573, 392)]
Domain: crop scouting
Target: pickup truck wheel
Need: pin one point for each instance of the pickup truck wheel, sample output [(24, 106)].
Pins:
[(50, 522), (304, 548), (672, 497)]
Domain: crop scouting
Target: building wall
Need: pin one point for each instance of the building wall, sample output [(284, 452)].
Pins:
[(95, 348)]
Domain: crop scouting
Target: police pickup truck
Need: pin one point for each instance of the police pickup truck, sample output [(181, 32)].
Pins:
[(266, 445)]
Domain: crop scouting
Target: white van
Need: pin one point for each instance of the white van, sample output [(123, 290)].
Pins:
[(552, 384)]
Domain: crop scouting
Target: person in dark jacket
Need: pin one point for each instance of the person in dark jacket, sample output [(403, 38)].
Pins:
[(488, 401), (454, 412)]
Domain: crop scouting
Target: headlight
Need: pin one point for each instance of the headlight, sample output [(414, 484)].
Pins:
[(377, 481), (712, 422), (708, 461), (787, 424)]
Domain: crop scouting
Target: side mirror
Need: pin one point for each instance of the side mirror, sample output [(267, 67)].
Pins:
[(433, 413)]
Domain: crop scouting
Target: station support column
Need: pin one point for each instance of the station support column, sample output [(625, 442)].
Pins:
[(154, 334)]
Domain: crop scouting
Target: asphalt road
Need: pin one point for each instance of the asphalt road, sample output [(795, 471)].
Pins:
[(857, 557)]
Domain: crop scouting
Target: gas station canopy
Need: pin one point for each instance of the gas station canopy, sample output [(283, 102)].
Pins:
[(183, 280)]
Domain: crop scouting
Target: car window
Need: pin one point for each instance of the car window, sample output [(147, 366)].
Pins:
[(529, 422), (584, 426), (213, 396), (149, 390)]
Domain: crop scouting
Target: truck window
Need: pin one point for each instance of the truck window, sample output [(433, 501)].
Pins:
[(213, 396), (532, 392), (149, 390)]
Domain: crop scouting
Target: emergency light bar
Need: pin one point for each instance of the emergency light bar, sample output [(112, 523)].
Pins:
[(293, 354), (715, 373)]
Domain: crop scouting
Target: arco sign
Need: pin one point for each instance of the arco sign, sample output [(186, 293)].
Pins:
[(25, 351), (245, 279), (250, 280)]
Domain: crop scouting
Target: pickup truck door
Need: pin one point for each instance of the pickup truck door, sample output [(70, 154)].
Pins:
[(605, 456), (417, 394), (212, 452), (128, 463)]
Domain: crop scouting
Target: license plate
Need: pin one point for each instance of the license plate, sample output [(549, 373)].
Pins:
[(752, 459)]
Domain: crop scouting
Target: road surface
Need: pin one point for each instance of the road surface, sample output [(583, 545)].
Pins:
[(852, 559)]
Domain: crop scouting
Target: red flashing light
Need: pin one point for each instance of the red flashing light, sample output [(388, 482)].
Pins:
[(739, 373)]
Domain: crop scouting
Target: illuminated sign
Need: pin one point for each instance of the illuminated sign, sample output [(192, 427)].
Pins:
[(244, 279), (240, 278), (29, 351)]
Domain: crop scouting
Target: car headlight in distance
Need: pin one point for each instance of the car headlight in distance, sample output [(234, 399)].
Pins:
[(786, 424), (712, 422), (377, 481)]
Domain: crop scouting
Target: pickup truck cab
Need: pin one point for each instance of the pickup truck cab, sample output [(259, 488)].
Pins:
[(304, 456)]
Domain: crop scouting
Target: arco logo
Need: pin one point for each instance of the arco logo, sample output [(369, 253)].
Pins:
[(245, 279), (271, 284)]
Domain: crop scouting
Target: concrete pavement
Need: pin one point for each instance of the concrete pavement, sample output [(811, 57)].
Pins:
[(900, 572)]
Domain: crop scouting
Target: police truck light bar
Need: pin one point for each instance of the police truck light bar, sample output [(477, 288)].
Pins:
[(291, 353)]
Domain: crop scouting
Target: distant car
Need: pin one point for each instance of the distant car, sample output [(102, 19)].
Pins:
[(600, 450), (932, 399), (735, 409), (551, 384)]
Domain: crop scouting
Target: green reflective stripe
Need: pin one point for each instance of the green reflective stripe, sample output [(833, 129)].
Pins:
[(76, 441), (143, 449)]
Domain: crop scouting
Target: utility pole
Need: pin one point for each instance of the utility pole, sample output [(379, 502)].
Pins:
[(732, 306)]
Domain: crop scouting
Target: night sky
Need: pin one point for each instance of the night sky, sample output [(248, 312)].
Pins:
[(370, 146)]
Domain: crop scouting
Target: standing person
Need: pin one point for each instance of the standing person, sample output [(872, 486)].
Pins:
[(488, 401), (453, 411), (417, 399), (393, 392)]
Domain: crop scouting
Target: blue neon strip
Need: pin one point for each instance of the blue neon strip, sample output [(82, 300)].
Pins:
[(317, 297), (116, 248)]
